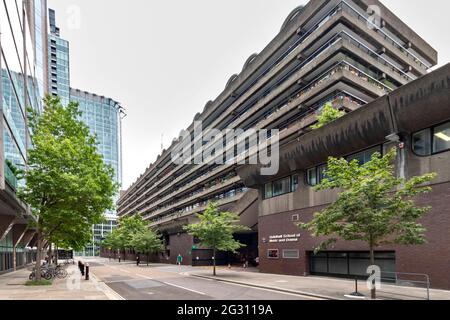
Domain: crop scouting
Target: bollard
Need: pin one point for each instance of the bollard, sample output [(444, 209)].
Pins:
[(82, 269), (87, 271)]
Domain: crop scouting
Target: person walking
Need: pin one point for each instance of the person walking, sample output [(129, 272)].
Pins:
[(138, 260), (179, 262), (179, 259)]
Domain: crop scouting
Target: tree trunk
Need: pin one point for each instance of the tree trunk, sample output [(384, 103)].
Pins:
[(49, 254), (38, 256), (373, 292), (214, 261)]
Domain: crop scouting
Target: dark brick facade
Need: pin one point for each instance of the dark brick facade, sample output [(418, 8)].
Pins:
[(432, 258), (181, 244)]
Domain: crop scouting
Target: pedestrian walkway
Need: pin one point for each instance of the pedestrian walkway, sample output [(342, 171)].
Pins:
[(74, 287), (321, 287)]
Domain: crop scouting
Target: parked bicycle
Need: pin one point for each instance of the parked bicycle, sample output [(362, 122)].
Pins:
[(50, 272)]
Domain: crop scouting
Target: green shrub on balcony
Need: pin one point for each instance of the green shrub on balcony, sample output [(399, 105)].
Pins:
[(11, 173)]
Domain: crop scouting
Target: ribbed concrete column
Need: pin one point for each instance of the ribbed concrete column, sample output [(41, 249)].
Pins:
[(33, 241), (6, 223), (18, 231), (27, 237)]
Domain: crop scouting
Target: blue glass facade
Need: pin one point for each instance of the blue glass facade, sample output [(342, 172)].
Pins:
[(102, 115), (23, 73), (58, 62)]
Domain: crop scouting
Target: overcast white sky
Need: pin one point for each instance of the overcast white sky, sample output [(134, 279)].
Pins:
[(163, 60)]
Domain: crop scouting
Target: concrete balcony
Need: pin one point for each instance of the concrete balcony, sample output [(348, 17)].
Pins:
[(176, 216), (342, 12), (200, 195), (348, 72)]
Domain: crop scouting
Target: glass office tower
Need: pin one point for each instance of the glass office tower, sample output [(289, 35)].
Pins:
[(23, 83), (58, 61), (102, 115)]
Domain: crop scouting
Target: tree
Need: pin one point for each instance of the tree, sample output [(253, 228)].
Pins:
[(328, 115), (68, 186), (215, 230), (128, 227), (121, 238), (112, 241), (147, 242), (374, 206)]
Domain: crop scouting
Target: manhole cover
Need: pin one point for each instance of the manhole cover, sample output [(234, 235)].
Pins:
[(143, 284)]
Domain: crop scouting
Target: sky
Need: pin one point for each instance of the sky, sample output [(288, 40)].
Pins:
[(163, 60)]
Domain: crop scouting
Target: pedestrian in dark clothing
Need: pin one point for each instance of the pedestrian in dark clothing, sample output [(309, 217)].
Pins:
[(138, 260)]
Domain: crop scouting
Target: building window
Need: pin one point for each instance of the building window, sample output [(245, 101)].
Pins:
[(432, 140), (291, 254), (273, 254), (280, 187), (321, 172), (365, 156), (422, 142), (441, 138), (315, 176), (311, 176), (294, 183), (268, 191), (295, 218)]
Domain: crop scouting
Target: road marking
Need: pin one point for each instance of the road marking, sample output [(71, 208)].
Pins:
[(184, 288), (274, 291), (125, 270), (262, 289), (145, 277)]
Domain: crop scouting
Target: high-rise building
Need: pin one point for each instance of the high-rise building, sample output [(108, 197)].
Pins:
[(23, 67), (58, 61), (349, 53), (102, 115)]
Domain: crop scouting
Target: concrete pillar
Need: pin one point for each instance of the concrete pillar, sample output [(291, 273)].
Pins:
[(6, 223), (33, 241), (27, 237), (18, 231)]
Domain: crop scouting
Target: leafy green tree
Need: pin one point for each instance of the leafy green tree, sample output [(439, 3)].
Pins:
[(128, 227), (216, 229), (68, 186), (374, 206), (147, 242), (112, 241), (328, 115)]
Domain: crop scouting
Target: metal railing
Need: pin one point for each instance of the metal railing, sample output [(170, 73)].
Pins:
[(407, 280)]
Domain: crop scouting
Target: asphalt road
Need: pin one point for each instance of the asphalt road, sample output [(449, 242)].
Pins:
[(168, 283)]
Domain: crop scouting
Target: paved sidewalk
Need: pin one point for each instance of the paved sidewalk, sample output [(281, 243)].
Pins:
[(12, 287), (321, 287)]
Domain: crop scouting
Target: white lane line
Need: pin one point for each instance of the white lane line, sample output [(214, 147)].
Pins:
[(262, 289), (145, 277), (273, 291), (184, 288), (123, 270)]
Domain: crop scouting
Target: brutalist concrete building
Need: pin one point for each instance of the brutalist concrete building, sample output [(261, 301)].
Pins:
[(356, 55)]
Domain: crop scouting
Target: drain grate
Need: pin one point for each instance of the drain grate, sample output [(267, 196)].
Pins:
[(144, 284)]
